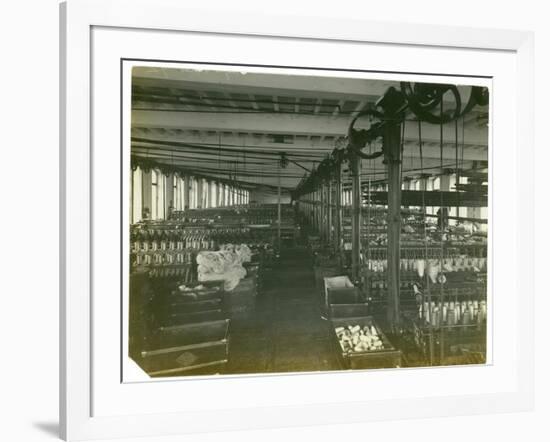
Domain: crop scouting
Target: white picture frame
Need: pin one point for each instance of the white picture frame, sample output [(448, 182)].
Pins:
[(81, 413)]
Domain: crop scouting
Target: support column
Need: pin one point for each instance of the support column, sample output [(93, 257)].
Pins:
[(279, 211), (338, 201), (330, 203), (392, 159), (314, 210), (319, 208), (355, 216), (327, 212), (322, 225)]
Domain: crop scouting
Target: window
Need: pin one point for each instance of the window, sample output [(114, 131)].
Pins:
[(205, 197), (429, 184), (213, 194), (136, 196), (179, 192), (175, 184), (158, 186), (154, 194)]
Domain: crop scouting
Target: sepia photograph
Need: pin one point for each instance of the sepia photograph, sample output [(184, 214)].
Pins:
[(286, 220)]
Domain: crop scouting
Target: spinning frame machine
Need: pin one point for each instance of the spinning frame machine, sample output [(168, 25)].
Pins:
[(321, 199)]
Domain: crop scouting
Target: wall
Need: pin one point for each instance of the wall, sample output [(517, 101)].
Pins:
[(29, 31)]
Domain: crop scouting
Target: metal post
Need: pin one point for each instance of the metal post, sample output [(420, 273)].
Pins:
[(392, 149), (279, 211), (325, 211), (329, 210), (322, 211), (355, 217), (338, 198), (316, 208)]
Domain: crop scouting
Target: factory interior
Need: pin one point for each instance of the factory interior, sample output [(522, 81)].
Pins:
[(305, 221)]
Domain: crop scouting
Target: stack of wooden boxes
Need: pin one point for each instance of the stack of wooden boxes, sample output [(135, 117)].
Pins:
[(192, 333)]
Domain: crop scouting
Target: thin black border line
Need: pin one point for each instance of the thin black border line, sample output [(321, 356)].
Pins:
[(121, 67), (374, 71), (212, 63)]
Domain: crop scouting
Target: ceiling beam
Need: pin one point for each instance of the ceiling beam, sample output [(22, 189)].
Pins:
[(320, 147), (309, 125)]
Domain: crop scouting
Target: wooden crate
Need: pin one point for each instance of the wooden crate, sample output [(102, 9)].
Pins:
[(187, 348), (173, 319), (348, 310), (344, 295), (388, 357), (340, 290), (203, 304)]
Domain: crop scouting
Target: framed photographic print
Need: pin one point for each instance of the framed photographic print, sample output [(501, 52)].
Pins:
[(290, 218)]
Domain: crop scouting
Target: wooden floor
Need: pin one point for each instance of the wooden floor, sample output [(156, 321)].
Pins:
[(286, 333)]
